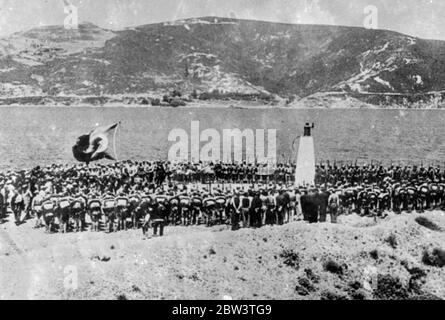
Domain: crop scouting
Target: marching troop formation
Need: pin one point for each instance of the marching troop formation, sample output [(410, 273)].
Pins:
[(147, 195)]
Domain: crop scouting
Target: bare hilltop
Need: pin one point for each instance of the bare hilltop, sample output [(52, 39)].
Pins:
[(208, 59)]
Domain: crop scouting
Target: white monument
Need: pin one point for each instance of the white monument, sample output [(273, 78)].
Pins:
[(305, 170)]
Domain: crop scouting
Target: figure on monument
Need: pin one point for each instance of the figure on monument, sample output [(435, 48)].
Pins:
[(307, 129)]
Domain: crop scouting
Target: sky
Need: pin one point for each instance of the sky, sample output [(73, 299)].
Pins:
[(419, 18)]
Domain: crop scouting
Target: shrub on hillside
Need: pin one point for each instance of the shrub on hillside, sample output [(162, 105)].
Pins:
[(392, 241), (175, 102), (424, 222), (333, 267), (155, 102), (291, 258), (390, 288), (435, 258), (176, 93)]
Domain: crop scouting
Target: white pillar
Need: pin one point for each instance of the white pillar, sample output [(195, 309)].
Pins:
[(305, 170)]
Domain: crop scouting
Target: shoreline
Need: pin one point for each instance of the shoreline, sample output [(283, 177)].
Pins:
[(220, 106)]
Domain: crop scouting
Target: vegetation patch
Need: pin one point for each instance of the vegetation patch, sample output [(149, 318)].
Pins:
[(390, 288), (424, 222), (304, 286), (291, 259), (434, 259), (391, 240), (333, 267), (312, 276), (415, 282), (330, 295), (374, 254)]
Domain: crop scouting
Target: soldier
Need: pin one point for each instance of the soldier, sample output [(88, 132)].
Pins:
[(17, 206), (334, 205), (95, 211), (282, 201), (304, 198), (423, 199), (221, 204), (245, 209), (271, 217), (173, 208), (291, 210), (134, 201), (323, 200), (255, 211), (48, 209), (109, 210), (235, 210), (158, 219), (209, 204), (122, 205), (196, 208), (384, 200), (3, 200), (185, 208), (78, 206), (64, 207), (36, 207)]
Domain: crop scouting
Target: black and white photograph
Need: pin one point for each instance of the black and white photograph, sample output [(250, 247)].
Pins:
[(224, 151)]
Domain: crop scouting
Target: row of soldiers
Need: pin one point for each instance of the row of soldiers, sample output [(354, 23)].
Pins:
[(118, 195), (231, 172), (69, 211), (372, 173)]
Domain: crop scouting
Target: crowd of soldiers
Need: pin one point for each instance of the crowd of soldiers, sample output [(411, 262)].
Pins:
[(231, 172), (145, 195)]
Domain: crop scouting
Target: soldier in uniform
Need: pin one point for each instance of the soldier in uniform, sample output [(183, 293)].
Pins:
[(158, 219), (95, 211), (48, 209), (109, 209), (245, 209), (64, 208), (196, 205), (235, 210), (323, 197), (36, 208), (334, 205), (209, 205), (78, 207), (185, 208)]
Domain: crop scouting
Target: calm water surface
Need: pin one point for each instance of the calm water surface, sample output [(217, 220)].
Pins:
[(39, 136)]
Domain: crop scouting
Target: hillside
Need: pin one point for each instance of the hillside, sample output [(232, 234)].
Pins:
[(237, 58), (355, 259)]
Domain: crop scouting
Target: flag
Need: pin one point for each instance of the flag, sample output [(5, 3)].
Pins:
[(94, 146)]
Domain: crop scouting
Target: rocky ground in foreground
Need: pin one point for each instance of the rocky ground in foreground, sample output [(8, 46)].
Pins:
[(400, 257)]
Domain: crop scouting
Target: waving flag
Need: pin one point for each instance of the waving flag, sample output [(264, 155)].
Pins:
[(94, 146)]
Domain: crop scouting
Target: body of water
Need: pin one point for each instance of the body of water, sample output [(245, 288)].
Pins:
[(39, 136)]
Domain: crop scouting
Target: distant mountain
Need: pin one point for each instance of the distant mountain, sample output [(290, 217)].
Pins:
[(229, 55)]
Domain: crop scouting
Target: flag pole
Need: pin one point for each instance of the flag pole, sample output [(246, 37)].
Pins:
[(114, 141)]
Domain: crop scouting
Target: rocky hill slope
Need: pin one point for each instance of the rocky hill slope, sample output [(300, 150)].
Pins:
[(223, 56)]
